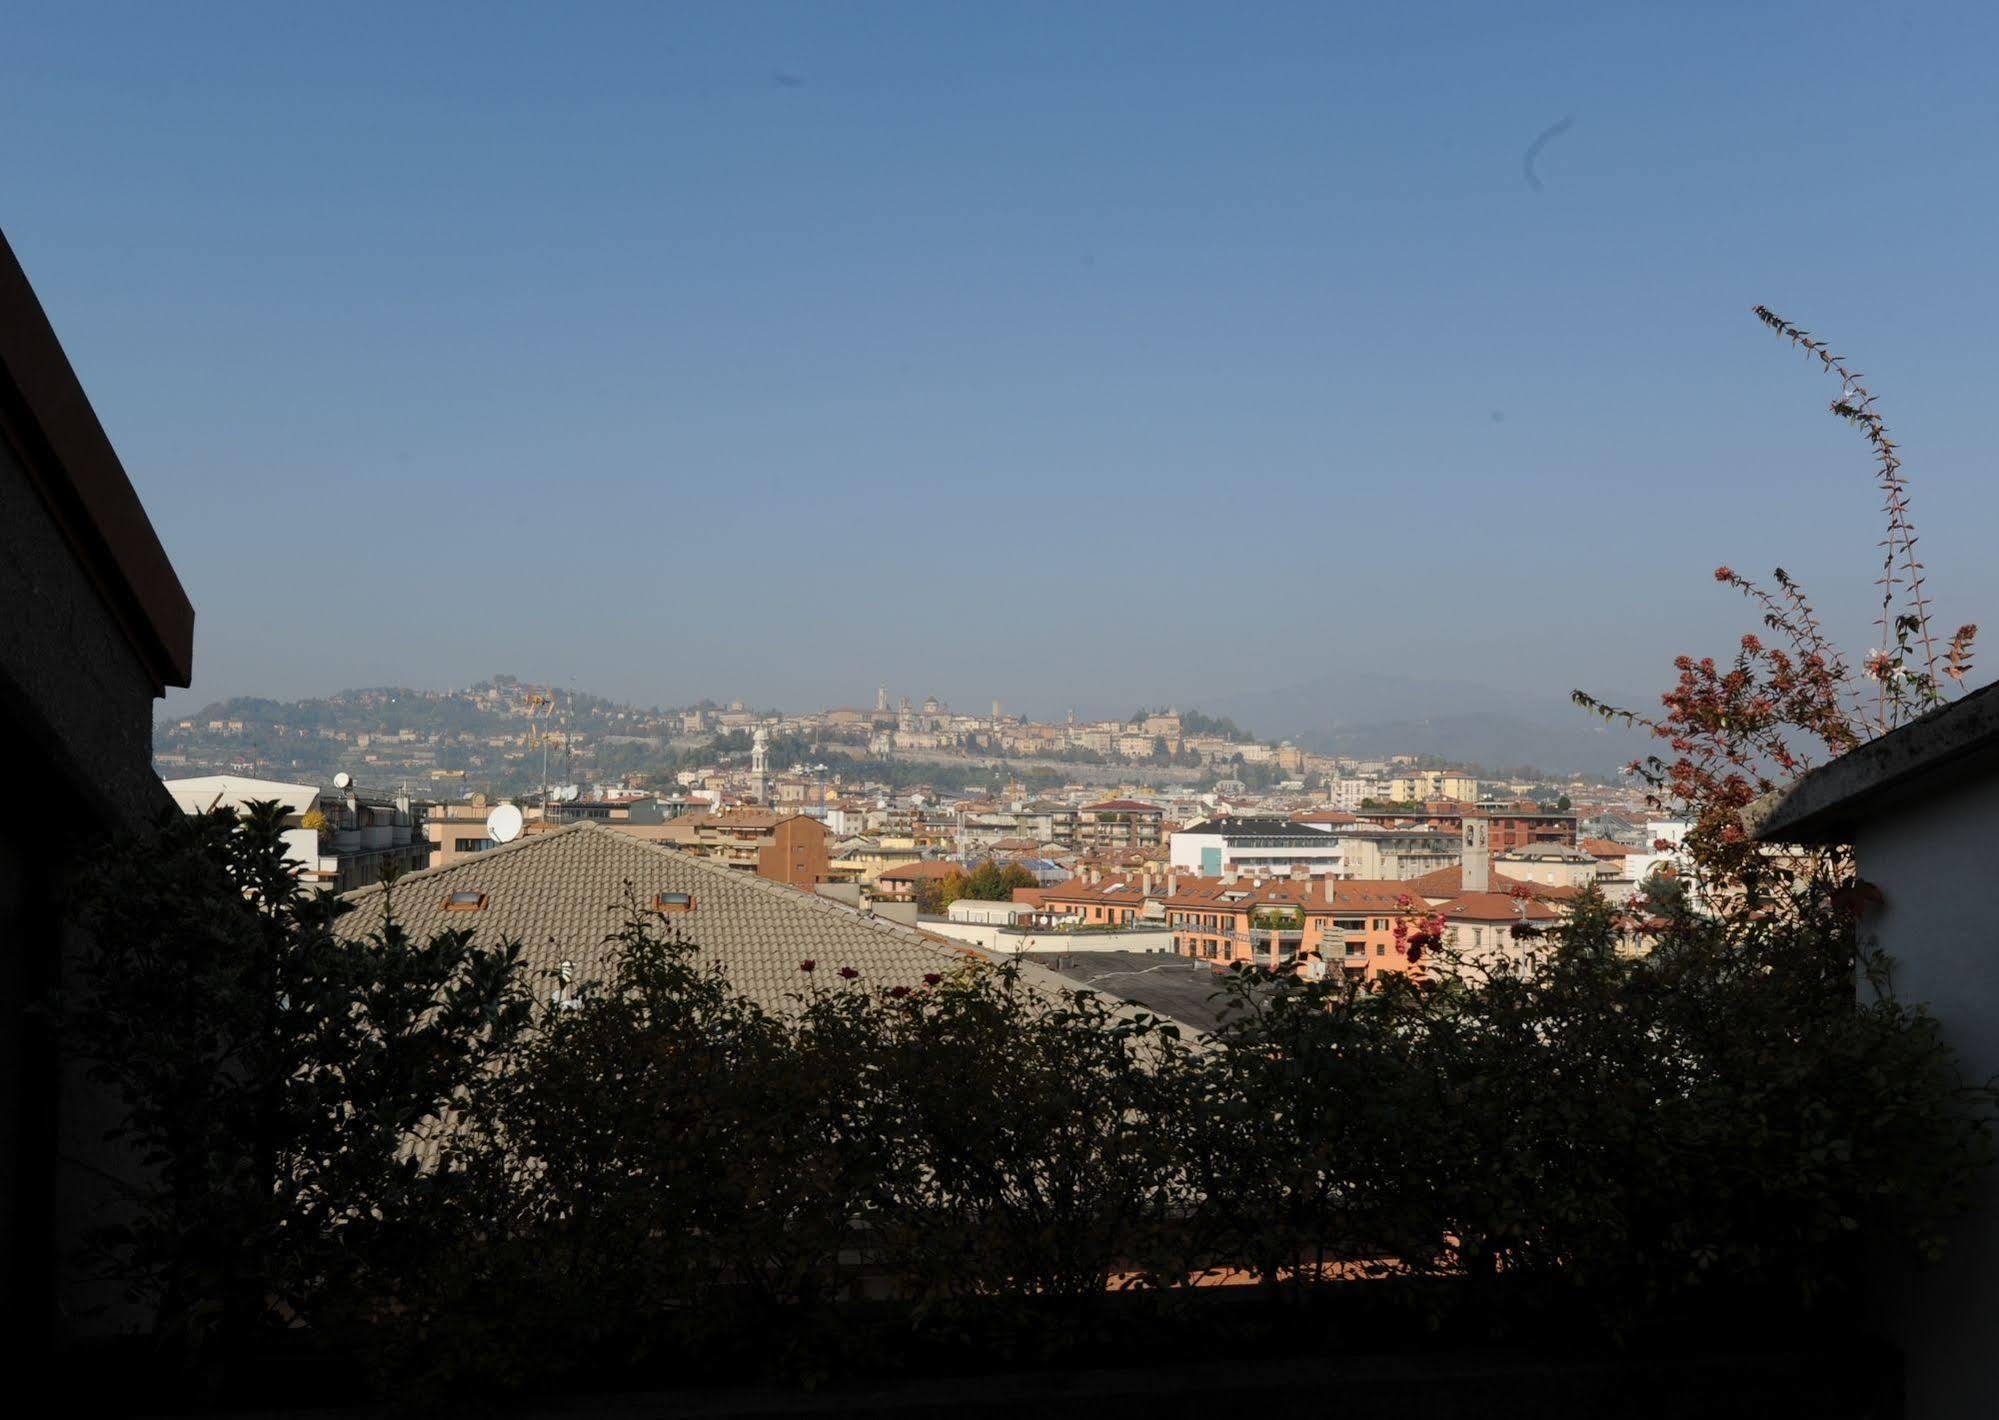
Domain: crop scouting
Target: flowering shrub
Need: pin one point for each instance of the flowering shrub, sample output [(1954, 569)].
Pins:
[(1739, 728)]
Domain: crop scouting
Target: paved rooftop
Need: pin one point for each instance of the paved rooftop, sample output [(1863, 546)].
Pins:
[(1169, 985)]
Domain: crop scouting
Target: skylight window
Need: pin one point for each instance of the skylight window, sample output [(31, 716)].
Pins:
[(673, 902), (469, 900)]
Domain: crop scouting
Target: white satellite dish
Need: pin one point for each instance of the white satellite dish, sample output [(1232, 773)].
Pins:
[(503, 824), (342, 780)]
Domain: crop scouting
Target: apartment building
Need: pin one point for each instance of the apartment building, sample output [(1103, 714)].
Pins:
[(783, 847), (1550, 865), (341, 837), (1350, 925), (1418, 786), (1257, 847), (1119, 823), (1396, 854), (1347, 795), (1095, 900), (1520, 826)]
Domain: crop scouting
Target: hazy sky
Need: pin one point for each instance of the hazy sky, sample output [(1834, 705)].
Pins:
[(1066, 353)]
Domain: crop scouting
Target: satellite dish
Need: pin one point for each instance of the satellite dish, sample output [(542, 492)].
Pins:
[(342, 780), (503, 824)]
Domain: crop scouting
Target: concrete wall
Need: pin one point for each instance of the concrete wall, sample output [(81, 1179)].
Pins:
[(1937, 866)]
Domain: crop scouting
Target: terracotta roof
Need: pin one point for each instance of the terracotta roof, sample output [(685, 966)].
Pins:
[(1122, 806), (563, 892), (1349, 894), (1495, 907), (1449, 882), (1125, 891), (1604, 848)]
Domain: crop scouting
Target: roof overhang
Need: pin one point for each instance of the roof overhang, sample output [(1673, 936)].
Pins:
[(48, 419), (1937, 751)]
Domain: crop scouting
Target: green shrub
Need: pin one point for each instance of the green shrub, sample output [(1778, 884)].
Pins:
[(656, 1174)]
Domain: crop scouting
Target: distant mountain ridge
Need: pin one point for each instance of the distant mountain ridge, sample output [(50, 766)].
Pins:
[(1373, 714)]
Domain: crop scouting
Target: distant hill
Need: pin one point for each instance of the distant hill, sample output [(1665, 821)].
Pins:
[(1375, 714)]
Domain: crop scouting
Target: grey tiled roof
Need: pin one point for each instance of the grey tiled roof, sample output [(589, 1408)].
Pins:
[(562, 893)]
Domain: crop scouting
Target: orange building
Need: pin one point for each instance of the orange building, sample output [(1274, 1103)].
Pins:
[(1097, 900), (1349, 923), (786, 848)]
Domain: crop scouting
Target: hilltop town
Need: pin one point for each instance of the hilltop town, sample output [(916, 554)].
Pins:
[(505, 737), (998, 830)]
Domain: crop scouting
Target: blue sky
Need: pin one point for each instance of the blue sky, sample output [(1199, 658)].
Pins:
[(1065, 353)]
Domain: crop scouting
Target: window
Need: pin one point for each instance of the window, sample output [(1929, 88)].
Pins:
[(673, 902), (1380, 949), (1356, 949), (466, 901), (471, 845)]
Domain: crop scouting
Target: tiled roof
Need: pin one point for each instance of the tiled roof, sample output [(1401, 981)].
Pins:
[(1123, 889), (1604, 848), (1122, 806), (1449, 882), (1495, 907), (563, 892)]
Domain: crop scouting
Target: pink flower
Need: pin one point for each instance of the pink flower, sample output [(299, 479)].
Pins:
[(1724, 574)]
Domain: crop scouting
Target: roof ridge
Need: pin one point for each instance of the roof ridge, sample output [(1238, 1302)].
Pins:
[(591, 828), (757, 882), (526, 840)]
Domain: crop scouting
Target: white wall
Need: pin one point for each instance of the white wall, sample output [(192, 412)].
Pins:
[(1935, 865), (993, 937)]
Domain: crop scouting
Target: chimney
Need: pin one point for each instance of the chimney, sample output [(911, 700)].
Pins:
[(1328, 881), (1172, 884), (1228, 873), (1476, 860), (1300, 873), (1145, 885)]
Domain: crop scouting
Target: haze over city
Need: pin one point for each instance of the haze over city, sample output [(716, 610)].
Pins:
[(1103, 356), (753, 707)]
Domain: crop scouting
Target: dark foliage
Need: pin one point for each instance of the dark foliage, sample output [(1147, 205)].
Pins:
[(657, 1176)]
